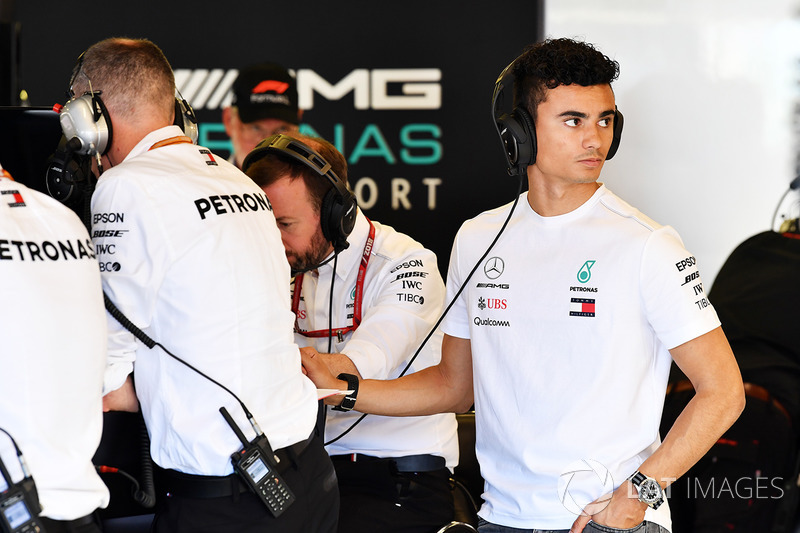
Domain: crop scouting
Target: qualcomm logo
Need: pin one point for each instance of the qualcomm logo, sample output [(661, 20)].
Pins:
[(411, 88)]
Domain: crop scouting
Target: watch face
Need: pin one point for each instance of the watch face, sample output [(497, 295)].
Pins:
[(650, 491)]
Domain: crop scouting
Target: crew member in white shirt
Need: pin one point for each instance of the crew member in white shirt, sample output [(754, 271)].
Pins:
[(53, 326), (365, 297), (190, 253)]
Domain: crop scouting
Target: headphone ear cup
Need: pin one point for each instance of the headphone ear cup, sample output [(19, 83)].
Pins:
[(527, 154), (619, 120), (519, 139), (86, 118), (337, 217)]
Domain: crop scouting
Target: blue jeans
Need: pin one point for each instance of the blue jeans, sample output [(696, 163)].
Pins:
[(591, 527)]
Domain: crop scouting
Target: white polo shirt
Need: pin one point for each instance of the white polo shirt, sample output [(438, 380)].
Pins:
[(190, 253), (403, 295)]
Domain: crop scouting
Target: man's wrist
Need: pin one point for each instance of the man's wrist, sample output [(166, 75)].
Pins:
[(646, 489), (349, 400)]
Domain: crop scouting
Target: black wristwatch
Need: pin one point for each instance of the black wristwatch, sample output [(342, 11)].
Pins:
[(650, 491), (350, 400)]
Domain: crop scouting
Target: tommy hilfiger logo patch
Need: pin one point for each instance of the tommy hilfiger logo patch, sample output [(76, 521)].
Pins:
[(581, 307), (15, 198), (209, 157)]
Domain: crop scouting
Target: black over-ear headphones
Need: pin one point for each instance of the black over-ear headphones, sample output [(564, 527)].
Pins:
[(517, 131), (338, 211)]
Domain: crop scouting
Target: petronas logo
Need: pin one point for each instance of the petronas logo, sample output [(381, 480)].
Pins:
[(585, 273)]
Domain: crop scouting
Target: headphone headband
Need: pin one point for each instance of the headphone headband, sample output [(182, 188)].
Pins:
[(338, 211), (299, 151)]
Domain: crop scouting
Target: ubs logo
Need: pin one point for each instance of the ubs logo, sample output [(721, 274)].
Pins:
[(493, 267)]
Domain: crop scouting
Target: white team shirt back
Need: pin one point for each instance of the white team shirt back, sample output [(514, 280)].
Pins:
[(53, 326), (190, 252)]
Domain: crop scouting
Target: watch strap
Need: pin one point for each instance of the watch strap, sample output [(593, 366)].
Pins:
[(637, 478), (349, 400)]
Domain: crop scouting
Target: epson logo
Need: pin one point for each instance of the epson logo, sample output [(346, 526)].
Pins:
[(416, 88)]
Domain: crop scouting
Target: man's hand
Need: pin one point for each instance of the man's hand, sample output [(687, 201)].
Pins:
[(122, 399), (316, 368), (622, 511)]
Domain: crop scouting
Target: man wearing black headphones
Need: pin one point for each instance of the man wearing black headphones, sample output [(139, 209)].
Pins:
[(190, 254), (567, 324), (364, 298)]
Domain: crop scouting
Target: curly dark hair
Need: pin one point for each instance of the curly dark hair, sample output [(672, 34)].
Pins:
[(553, 62)]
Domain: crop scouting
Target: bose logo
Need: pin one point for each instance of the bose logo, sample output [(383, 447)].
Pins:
[(418, 88)]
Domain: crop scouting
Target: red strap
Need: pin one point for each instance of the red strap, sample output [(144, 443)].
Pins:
[(359, 296)]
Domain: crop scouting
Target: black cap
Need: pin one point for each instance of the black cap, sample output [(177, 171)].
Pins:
[(266, 90)]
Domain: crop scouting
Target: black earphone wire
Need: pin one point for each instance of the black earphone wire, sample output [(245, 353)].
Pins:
[(330, 303), (795, 184), (20, 458), (447, 309), (114, 311)]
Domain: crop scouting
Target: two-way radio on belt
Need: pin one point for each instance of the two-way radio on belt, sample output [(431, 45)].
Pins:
[(256, 463), (19, 502)]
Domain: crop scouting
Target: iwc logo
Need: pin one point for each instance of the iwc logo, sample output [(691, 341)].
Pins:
[(493, 267)]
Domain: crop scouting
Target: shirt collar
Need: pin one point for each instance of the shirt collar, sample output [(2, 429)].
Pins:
[(153, 137)]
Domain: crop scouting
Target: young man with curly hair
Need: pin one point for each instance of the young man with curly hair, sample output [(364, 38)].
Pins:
[(564, 336)]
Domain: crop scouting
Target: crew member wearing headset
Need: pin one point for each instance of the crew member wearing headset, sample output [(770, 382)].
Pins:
[(365, 297), (190, 253), (53, 327), (589, 306)]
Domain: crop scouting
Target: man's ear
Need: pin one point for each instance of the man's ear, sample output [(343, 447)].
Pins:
[(227, 120)]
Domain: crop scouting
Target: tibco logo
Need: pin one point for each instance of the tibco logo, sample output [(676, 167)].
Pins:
[(417, 88)]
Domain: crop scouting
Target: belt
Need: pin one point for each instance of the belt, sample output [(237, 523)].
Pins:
[(197, 486), (407, 463), (750, 389), (70, 524)]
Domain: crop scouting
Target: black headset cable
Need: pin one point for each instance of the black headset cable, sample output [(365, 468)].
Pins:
[(449, 305)]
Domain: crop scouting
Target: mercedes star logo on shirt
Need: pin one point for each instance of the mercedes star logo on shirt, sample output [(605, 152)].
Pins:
[(493, 267)]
